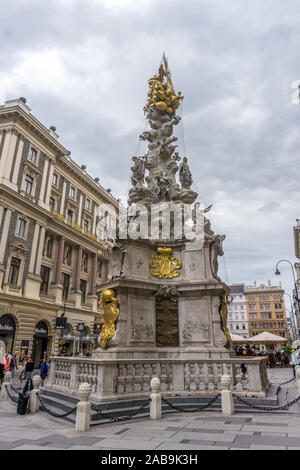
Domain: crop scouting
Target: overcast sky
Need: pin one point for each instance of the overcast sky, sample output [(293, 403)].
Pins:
[(83, 66)]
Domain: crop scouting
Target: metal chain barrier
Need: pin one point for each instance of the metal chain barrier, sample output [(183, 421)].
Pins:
[(15, 400), (52, 413), (200, 408), (287, 382), (269, 408), (121, 418), (13, 388)]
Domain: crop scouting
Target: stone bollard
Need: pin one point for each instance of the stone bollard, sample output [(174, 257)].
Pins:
[(83, 412), (155, 404), (5, 384), (297, 371), (226, 396), (34, 402)]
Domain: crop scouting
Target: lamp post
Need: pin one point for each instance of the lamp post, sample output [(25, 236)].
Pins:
[(296, 296)]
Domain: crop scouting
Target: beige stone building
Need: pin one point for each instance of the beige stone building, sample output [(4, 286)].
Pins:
[(296, 230), (266, 310), (51, 259)]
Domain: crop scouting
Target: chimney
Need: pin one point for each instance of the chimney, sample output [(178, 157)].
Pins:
[(254, 283), (269, 283)]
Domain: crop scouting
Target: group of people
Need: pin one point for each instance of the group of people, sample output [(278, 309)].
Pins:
[(28, 367), (274, 358), (10, 364)]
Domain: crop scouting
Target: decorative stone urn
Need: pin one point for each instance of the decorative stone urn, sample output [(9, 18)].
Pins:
[(36, 381), (226, 381), (155, 384), (84, 391)]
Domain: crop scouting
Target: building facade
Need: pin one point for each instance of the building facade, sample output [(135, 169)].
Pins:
[(266, 310), (237, 312), (52, 258), (296, 302)]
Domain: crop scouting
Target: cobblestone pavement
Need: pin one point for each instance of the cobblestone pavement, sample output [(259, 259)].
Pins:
[(199, 431)]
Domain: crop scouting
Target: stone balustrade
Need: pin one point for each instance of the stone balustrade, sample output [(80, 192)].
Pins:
[(132, 377)]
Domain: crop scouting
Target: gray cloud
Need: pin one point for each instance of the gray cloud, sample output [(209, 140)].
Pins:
[(84, 66)]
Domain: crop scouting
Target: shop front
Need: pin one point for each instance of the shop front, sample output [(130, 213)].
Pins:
[(7, 332), (85, 342), (67, 342), (41, 343)]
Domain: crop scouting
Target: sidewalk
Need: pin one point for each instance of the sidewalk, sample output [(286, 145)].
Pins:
[(180, 431)]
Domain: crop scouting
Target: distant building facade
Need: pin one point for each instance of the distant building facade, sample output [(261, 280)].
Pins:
[(296, 303), (51, 259), (237, 312), (266, 310)]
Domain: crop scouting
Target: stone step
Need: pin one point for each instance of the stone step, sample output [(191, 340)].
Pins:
[(59, 395)]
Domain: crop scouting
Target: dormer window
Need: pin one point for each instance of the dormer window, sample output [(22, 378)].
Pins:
[(33, 156)]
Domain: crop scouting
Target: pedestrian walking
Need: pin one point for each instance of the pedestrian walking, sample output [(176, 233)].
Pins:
[(13, 365), (1, 372), (44, 370), (7, 362), (294, 361), (29, 368), (22, 375)]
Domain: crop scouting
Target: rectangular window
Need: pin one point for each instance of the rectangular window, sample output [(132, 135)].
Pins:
[(86, 225), (49, 247), (99, 272), (72, 192), (14, 271), (65, 284), (54, 179), (52, 202), (70, 216), (84, 265), (33, 155), (28, 184), (21, 228), (83, 289), (87, 204), (45, 272)]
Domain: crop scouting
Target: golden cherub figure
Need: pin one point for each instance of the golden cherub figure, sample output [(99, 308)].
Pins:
[(161, 93), (110, 314)]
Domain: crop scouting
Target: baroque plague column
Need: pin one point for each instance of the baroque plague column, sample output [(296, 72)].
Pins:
[(164, 307), (168, 290)]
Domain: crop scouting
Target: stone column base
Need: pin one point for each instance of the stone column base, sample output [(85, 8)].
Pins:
[(32, 288), (56, 290), (92, 301), (76, 298)]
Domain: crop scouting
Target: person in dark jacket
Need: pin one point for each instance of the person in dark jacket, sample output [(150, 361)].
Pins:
[(44, 370), (29, 368), (1, 372)]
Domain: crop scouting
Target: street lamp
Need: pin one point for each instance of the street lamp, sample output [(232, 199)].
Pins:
[(296, 296), (62, 320)]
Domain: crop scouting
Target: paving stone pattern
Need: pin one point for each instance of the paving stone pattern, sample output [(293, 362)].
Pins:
[(202, 430)]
